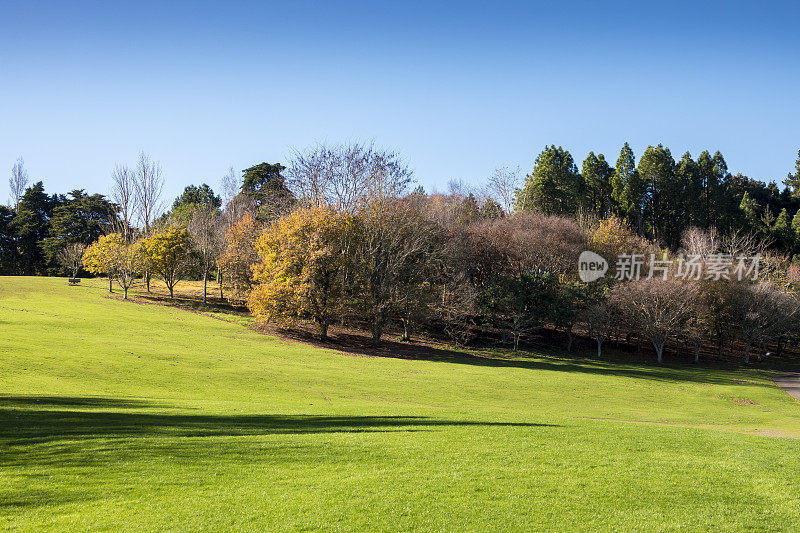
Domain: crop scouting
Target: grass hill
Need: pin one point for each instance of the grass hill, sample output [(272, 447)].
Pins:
[(117, 415)]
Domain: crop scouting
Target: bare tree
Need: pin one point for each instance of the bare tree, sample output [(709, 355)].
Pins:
[(18, 182), (71, 257), (204, 241), (762, 312), (703, 243), (600, 322), (231, 185), (123, 193), (655, 308), (148, 187), (390, 247), (346, 177), (503, 184), (740, 243)]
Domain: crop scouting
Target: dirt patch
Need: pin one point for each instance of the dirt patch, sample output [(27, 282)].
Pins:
[(776, 433), (744, 401), (745, 382), (625, 420)]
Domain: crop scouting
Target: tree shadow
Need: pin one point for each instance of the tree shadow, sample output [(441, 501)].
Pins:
[(356, 343), (24, 425), (72, 401)]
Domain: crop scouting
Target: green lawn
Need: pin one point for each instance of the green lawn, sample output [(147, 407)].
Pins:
[(116, 415)]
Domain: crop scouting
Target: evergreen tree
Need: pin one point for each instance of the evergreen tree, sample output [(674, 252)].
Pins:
[(793, 180), (750, 209), (796, 230), (8, 249), (30, 227), (596, 184), (688, 205), (627, 189), (80, 219), (657, 169), (782, 230), (554, 186), (265, 185)]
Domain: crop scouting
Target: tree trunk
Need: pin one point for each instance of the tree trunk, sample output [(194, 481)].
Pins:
[(599, 348), (697, 354), (323, 330), (219, 282), (126, 292), (570, 338), (377, 331), (516, 341), (747, 353), (171, 295), (659, 350), (147, 279), (110, 286), (205, 286), (406, 330)]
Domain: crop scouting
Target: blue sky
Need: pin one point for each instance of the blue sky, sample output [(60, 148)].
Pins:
[(457, 88)]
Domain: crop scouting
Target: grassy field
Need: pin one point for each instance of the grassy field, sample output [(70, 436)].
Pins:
[(116, 415)]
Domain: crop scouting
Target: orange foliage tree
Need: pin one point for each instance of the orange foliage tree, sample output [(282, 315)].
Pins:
[(239, 255)]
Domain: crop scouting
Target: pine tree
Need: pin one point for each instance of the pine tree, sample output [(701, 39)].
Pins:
[(793, 180), (597, 187), (554, 186), (657, 169), (782, 230)]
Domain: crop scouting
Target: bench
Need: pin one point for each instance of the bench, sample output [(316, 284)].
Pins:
[(73, 281)]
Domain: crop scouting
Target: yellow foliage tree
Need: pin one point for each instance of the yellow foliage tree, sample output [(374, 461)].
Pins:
[(97, 259), (299, 274), (167, 254), (112, 256)]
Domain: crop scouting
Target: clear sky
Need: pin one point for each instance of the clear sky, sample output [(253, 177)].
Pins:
[(458, 88)]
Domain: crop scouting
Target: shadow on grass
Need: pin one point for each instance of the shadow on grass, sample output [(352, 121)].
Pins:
[(72, 401), (354, 343), (22, 426)]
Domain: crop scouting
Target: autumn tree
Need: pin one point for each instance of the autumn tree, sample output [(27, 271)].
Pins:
[(239, 254), (300, 272), (167, 254), (119, 260), (518, 263), (97, 259)]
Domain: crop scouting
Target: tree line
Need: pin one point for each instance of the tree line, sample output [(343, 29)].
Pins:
[(340, 236)]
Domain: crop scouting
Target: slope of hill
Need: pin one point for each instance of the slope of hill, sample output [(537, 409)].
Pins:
[(115, 415)]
